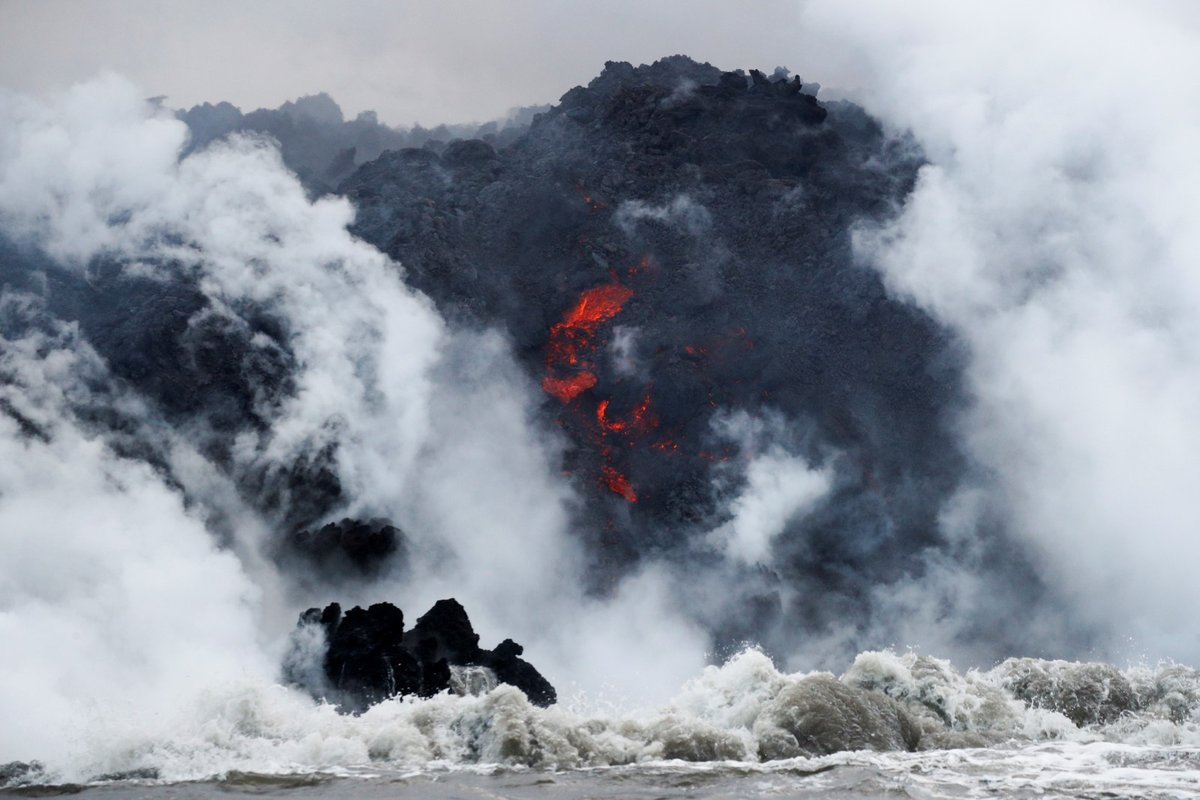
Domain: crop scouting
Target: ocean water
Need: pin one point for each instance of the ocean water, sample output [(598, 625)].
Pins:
[(892, 725), (1031, 771)]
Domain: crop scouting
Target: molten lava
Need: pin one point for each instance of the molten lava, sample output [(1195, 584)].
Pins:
[(572, 341), (571, 371), (567, 389), (617, 483), (640, 419), (571, 374), (596, 305)]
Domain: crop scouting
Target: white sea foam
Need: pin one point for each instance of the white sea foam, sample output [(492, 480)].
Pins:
[(744, 712)]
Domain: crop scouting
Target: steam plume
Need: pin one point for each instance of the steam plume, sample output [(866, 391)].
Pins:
[(1053, 230)]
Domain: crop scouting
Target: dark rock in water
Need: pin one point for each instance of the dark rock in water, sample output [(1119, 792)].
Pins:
[(20, 773), (510, 669), (364, 655), (445, 632)]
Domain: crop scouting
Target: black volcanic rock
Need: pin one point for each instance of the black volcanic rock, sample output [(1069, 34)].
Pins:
[(504, 661), (722, 205), (445, 632), (366, 656), (725, 204)]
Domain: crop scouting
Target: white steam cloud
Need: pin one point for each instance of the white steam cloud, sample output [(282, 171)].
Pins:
[(1055, 231), (116, 606), (682, 212), (779, 488), (110, 592)]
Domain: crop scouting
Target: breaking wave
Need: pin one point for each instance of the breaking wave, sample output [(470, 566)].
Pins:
[(744, 712)]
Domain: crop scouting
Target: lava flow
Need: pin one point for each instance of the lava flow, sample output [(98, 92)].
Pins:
[(572, 341), (571, 371), (640, 420), (617, 483)]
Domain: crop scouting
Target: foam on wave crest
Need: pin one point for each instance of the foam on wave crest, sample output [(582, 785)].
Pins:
[(745, 711)]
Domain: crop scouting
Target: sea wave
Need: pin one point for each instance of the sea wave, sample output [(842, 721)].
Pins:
[(745, 712)]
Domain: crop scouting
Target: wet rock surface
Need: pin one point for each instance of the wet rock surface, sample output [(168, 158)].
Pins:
[(363, 656)]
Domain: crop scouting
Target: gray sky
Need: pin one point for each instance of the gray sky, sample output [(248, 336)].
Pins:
[(428, 62)]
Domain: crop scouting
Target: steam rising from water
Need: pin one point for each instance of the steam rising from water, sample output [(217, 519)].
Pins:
[(1055, 231), (113, 563)]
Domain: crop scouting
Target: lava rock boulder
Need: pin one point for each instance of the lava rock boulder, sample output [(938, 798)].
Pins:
[(360, 657)]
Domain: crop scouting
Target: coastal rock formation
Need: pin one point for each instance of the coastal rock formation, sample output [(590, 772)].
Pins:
[(363, 656)]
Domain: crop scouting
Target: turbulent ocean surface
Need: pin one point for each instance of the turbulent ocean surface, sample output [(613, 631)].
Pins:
[(806, 446), (1026, 728)]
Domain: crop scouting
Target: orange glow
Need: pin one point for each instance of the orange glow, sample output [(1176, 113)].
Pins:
[(596, 305), (571, 372), (571, 341), (640, 419), (567, 389), (617, 483)]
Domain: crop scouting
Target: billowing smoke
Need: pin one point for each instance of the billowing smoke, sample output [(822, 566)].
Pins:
[(144, 519), (1054, 231)]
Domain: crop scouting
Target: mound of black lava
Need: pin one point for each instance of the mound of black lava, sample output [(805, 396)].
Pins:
[(363, 656)]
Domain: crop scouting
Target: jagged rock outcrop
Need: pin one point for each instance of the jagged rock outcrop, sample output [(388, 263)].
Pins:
[(358, 658)]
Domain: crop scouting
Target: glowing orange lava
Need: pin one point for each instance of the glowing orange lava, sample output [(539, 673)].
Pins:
[(617, 483), (571, 358), (597, 305), (571, 371), (640, 419), (572, 341), (567, 389)]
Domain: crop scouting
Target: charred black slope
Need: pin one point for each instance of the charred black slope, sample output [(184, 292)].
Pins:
[(365, 655), (669, 246)]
